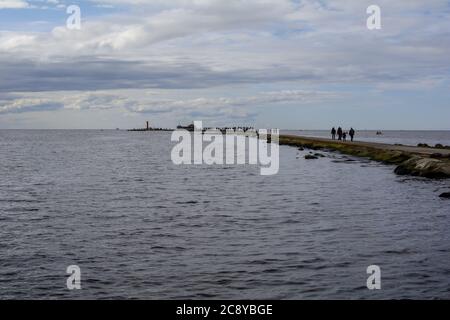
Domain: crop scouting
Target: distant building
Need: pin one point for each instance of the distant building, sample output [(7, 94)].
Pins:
[(190, 127)]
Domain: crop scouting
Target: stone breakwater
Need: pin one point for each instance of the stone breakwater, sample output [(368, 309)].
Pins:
[(416, 161)]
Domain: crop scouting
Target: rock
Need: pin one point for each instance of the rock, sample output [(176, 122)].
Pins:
[(423, 145), (439, 146), (445, 195), (424, 167), (401, 170), (311, 157), (301, 148), (440, 156), (319, 155)]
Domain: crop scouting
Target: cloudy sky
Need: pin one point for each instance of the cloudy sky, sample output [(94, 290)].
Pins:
[(306, 64)]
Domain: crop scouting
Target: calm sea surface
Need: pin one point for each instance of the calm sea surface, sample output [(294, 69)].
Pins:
[(138, 226)]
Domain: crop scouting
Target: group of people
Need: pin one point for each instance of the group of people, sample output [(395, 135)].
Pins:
[(342, 135)]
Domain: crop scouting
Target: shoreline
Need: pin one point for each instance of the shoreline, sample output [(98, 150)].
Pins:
[(416, 161)]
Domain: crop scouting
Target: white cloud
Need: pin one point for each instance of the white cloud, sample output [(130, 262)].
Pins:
[(29, 105), (13, 4), (154, 102)]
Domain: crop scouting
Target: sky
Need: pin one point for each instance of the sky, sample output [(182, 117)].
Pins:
[(289, 64)]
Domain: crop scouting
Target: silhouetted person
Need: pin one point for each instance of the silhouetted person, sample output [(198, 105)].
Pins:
[(339, 133), (352, 133), (344, 136), (333, 133)]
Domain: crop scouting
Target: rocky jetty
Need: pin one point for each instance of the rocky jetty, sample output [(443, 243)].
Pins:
[(417, 161), (425, 167)]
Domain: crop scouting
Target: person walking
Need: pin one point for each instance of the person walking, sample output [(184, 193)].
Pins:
[(339, 133), (352, 133), (333, 134)]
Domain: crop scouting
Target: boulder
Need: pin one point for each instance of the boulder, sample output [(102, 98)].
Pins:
[(311, 157), (440, 156), (424, 167), (445, 195), (319, 155), (401, 170)]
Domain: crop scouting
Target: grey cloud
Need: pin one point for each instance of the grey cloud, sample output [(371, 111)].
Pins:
[(104, 74), (97, 74), (107, 74)]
